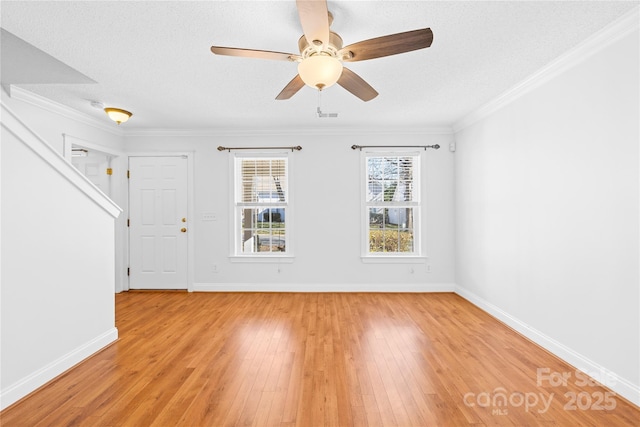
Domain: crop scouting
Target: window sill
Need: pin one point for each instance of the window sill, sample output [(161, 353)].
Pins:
[(370, 259), (266, 259)]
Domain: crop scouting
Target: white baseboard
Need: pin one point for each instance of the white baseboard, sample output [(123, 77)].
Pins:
[(323, 287), (619, 385), (23, 387)]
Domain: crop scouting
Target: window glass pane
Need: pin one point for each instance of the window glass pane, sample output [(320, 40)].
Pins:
[(406, 241), (404, 191), (275, 241), (376, 217), (263, 230), (390, 240), (374, 191), (389, 190), (391, 185)]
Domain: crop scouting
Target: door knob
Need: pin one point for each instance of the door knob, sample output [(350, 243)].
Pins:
[(184, 219), (184, 230)]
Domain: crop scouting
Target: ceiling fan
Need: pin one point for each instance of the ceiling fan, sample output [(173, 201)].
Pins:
[(321, 52)]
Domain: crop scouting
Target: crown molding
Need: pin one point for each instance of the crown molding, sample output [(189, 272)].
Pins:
[(610, 34), (64, 111), (28, 97), (443, 130)]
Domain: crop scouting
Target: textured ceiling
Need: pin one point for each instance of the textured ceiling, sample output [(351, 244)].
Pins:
[(153, 58)]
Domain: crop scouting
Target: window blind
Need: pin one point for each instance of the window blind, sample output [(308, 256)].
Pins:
[(263, 180), (391, 179)]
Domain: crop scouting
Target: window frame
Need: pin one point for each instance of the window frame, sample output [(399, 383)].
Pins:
[(235, 179), (417, 205)]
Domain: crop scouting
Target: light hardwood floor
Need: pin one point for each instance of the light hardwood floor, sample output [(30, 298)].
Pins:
[(309, 359)]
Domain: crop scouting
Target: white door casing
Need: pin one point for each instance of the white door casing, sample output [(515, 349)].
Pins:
[(114, 186), (158, 222)]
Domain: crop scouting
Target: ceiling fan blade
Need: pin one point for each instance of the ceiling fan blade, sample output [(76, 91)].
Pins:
[(291, 88), (388, 45), (356, 85), (314, 18), (252, 53)]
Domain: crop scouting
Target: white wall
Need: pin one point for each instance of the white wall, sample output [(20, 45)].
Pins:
[(57, 278), (326, 189), (54, 123), (547, 215)]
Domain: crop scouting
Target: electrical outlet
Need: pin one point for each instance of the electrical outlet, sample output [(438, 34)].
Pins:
[(215, 268), (428, 268)]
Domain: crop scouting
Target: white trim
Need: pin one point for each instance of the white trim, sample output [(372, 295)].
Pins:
[(231, 204), (256, 153), (158, 153), (600, 40), (416, 205), (40, 147), (118, 191), (62, 110), (234, 230), (224, 132), (265, 259), (325, 287), (191, 211), (622, 386), (69, 141), (37, 379), (399, 259)]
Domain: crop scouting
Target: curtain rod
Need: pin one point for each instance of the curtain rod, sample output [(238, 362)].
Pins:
[(297, 148), (435, 146)]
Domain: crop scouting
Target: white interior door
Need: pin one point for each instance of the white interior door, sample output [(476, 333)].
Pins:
[(158, 223)]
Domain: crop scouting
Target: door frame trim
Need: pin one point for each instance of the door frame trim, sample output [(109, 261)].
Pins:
[(190, 209), (119, 194)]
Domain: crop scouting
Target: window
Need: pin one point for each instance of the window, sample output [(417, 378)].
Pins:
[(261, 205), (391, 204)]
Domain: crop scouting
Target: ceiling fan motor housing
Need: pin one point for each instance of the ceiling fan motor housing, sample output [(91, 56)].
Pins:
[(332, 48)]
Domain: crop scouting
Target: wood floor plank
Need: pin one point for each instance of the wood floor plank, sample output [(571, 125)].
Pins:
[(308, 359)]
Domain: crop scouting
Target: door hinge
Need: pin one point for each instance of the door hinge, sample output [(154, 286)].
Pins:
[(128, 222), (128, 174), (109, 171), (128, 271)]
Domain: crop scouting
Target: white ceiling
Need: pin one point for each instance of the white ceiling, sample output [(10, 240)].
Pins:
[(153, 58)]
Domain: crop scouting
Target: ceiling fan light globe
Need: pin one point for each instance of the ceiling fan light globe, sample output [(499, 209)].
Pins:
[(320, 71)]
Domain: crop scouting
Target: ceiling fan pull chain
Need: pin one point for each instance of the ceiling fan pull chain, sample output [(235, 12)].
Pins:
[(320, 114), (319, 110)]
